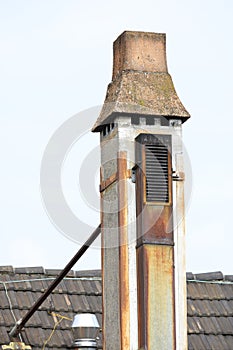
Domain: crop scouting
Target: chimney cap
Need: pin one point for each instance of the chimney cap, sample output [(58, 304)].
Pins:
[(140, 83)]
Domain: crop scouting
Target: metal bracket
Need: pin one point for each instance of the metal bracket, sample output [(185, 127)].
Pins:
[(133, 174), (178, 175)]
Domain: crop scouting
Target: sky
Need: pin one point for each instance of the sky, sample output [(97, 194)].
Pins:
[(55, 63)]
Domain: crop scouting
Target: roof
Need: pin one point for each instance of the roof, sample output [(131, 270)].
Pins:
[(209, 300), (210, 311), (21, 287)]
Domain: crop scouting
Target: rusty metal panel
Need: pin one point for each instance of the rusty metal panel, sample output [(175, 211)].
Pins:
[(123, 251), (154, 219), (155, 251), (155, 225), (156, 297)]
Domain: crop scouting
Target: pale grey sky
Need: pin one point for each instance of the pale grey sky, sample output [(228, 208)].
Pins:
[(56, 61)]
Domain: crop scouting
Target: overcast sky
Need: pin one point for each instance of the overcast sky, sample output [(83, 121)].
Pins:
[(56, 61)]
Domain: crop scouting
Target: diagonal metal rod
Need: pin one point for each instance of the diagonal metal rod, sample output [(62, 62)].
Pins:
[(21, 323)]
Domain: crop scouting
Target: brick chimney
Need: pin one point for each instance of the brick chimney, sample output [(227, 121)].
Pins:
[(143, 247), (143, 52)]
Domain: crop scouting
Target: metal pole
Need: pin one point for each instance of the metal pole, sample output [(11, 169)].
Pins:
[(21, 323)]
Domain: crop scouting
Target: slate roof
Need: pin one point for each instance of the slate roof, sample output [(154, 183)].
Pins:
[(209, 300)]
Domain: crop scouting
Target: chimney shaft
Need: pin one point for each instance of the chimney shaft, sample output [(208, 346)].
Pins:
[(139, 51), (140, 125)]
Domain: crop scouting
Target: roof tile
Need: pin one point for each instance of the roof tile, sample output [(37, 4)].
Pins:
[(24, 301), (56, 272), (210, 276), (30, 270), (88, 273), (59, 302), (214, 291), (197, 342), (74, 286), (22, 285), (4, 337), (226, 326), (4, 300), (217, 342), (36, 335), (229, 278), (189, 276), (228, 291), (229, 341), (6, 269), (228, 305)]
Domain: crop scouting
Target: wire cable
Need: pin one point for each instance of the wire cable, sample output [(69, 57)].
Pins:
[(55, 326), (10, 304)]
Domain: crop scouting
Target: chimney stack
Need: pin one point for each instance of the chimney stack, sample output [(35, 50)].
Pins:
[(138, 51), (143, 247)]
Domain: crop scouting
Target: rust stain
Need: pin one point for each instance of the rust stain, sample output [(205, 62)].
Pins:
[(156, 224), (123, 251), (154, 220), (155, 264), (102, 262), (109, 181), (156, 297)]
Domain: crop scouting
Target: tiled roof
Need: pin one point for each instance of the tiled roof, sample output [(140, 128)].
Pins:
[(21, 287), (209, 298), (210, 311)]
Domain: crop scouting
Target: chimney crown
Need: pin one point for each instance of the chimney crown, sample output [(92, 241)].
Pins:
[(139, 51), (141, 84)]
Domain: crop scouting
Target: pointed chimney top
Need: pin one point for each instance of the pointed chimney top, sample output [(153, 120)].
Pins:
[(139, 51)]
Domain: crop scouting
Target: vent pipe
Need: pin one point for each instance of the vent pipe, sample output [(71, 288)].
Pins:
[(85, 328)]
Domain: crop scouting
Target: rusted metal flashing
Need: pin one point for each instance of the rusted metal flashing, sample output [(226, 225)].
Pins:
[(123, 250)]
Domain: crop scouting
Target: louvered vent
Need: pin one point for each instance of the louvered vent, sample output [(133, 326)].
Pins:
[(157, 185)]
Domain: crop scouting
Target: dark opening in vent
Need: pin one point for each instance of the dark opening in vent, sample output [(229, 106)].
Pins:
[(157, 181)]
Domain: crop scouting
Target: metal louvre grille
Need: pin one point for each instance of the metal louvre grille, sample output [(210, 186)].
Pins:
[(157, 188)]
